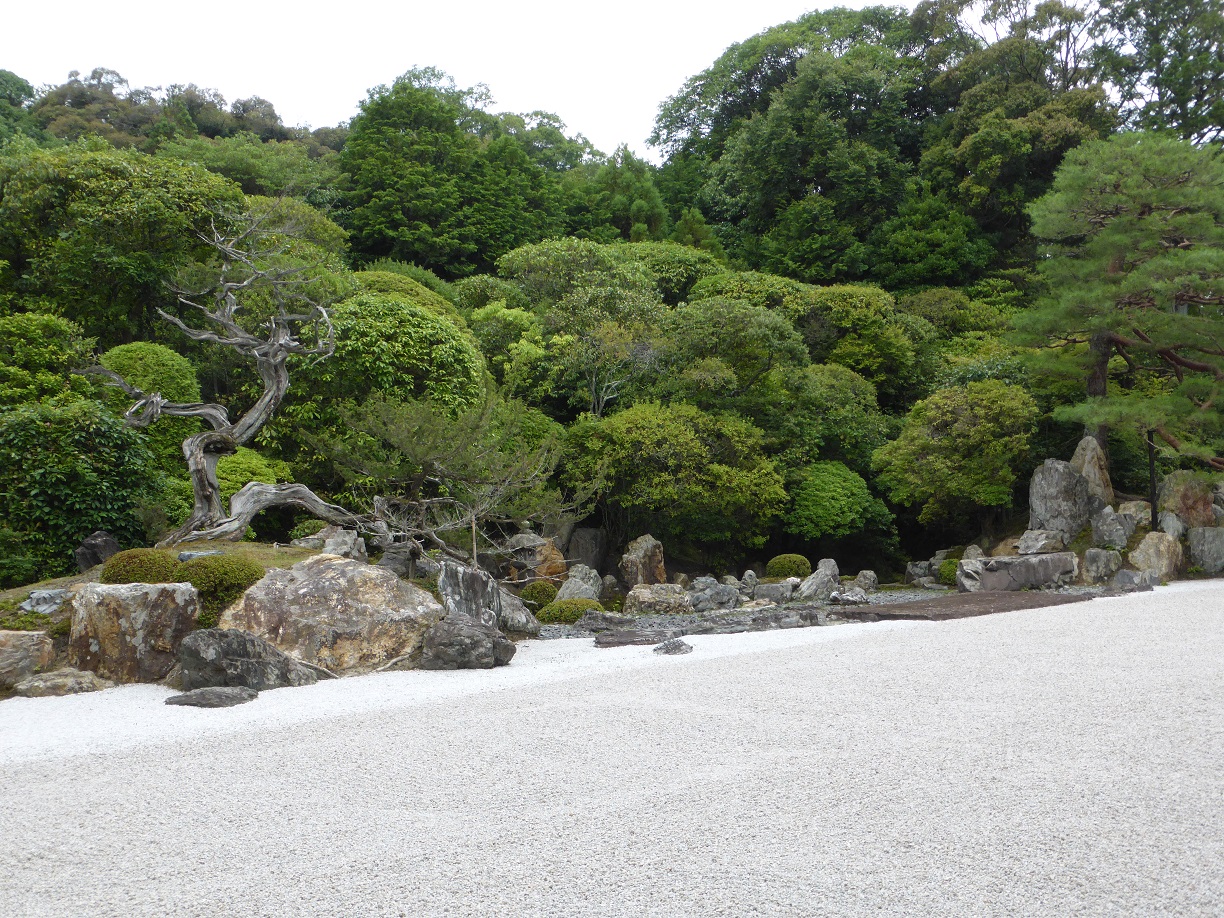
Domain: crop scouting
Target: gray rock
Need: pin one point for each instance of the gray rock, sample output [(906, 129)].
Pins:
[(1017, 572), (748, 584), (458, 642), (1111, 529), (44, 602), (658, 599), (1139, 510), (1100, 564), (1060, 499), (973, 552), (131, 632), (336, 613), (95, 549), (851, 597), (588, 547), (708, 595), (1207, 549), (916, 570), (226, 657), (61, 682), (192, 555), (1172, 524), (930, 583), (940, 557), (399, 559), (347, 544), (783, 591), (214, 697), (673, 647), (23, 654), (643, 562), (582, 583), (1219, 514), (561, 533), (604, 621), (1041, 541), (514, 618), (816, 587), (829, 566), (729, 580), (1160, 553), (469, 592), (318, 540), (969, 574), (1135, 581), (681, 579), (1089, 460)]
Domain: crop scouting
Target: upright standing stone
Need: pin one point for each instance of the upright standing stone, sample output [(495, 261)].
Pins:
[(1089, 460), (347, 544), (1207, 549), (1060, 499), (1189, 496), (95, 549), (643, 562), (470, 592), (588, 546), (829, 566)]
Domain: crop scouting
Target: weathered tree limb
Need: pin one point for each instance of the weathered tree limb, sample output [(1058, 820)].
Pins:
[(258, 496)]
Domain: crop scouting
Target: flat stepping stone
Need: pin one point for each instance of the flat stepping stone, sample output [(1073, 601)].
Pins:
[(215, 697), (674, 647)]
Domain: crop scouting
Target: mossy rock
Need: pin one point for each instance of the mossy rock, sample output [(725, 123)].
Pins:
[(567, 611), (220, 579)]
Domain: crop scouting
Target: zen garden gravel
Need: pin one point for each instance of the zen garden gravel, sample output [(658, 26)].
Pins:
[(1047, 762)]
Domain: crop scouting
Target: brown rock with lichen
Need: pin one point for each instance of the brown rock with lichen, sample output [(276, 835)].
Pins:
[(131, 632)]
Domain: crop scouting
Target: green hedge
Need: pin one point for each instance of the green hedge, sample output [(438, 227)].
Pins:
[(567, 611)]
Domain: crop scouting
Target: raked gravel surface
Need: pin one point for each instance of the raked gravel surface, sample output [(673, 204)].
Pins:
[(1063, 761)]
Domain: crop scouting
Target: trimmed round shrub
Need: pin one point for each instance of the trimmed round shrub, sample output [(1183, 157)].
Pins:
[(538, 594), (567, 611), (784, 566), (221, 579), (140, 565), (947, 572)]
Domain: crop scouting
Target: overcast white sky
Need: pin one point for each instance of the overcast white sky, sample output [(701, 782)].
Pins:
[(603, 67)]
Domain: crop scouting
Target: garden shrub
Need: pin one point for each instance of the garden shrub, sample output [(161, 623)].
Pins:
[(140, 565), (306, 529), (567, 611), (784, 566), (538, 594), (17, 566), (947, 572), (221, 579)]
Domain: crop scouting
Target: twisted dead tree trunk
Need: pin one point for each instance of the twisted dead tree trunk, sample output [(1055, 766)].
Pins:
[(297, 326)]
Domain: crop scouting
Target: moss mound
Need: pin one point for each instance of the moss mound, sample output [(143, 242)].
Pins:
[(538, 594), (784, 566), (567, 611), (221, 579), (140, 565)]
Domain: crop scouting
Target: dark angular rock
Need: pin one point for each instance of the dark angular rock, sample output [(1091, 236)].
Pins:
[(588, 546), (604, 621), (469, 592), (214, 697), (673, 647), (709, 595), (95, 549), (227, 657), (458, 642), (1207, 549), (1061, 499)]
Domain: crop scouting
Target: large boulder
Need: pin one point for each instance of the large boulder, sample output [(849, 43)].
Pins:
[(1017, 572), (514, 618), (783, 591), (816, 587), (658, 599), (534, 556), (829, 566), (1207, 549), (583, 582), (916, 570), (642, 562), (1189, 496), (1111, 529), (1040, 541), (131, 632), (61, 682), (1089, 460), (1060, 499), (1172, 524), (1159, 553), (589, 547), (95, 549), (469, 592), (336, 613), (23, 654), (708, 595), (867, 581), (228, 657), (1128, 581), (459, 642), (1100, 564)]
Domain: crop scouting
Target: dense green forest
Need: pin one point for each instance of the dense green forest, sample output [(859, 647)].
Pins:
[(890, 261)]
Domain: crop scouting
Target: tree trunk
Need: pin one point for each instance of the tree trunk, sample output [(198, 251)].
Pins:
[(1101, 347), (253, 500)]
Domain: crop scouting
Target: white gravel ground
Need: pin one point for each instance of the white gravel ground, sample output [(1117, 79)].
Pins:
[(1064, 761)]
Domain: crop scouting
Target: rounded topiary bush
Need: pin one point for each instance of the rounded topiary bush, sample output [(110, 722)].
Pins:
[(221, 579), (140, 565), (567, 611), (788, 566), (947, 572), (538, 594)]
